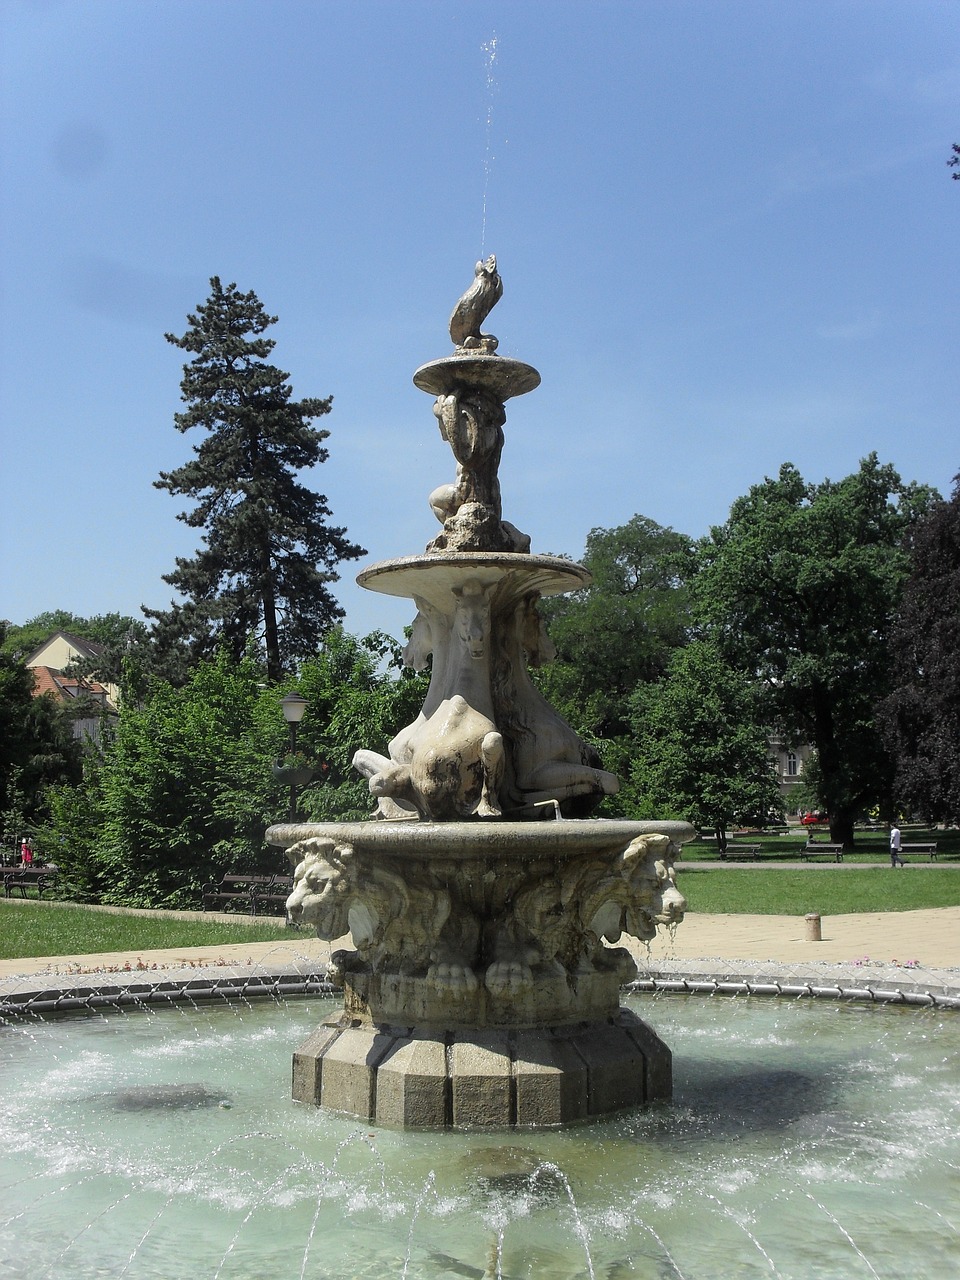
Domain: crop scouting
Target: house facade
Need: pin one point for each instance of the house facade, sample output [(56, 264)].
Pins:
[(790, 759), (50, 663)]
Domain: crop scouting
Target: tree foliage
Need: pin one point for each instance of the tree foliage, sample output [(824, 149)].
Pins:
[(799, 588), (700, 751), (268, 555), (37, 746), (622, 629), (353, 703), (922, 714), (185, 791)]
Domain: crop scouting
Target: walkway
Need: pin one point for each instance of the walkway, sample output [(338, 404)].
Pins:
[(908, 950)]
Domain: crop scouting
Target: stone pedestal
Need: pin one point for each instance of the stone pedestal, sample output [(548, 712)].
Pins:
[(411, 1077)]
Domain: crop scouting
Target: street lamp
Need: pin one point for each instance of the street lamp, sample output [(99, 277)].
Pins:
[(294, 705)]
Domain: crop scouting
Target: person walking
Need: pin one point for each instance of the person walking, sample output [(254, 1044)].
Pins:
[(895, 847)]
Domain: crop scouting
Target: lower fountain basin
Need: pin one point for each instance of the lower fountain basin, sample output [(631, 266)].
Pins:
[(480, 994), (805, 1138)]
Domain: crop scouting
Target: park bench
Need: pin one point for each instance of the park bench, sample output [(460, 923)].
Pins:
[(737, 851), (930, 848), (256, 895), (235, 893), (20, 879), (272, 899), (813, 848)]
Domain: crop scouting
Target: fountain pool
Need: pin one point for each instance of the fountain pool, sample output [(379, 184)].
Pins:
[(805, 1138)]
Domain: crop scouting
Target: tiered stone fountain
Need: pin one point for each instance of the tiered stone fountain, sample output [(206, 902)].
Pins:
[(480, 897)]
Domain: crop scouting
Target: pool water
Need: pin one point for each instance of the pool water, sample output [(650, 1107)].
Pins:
[(805, 1139)]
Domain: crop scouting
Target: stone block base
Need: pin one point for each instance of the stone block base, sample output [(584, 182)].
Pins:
[(415, 1078)]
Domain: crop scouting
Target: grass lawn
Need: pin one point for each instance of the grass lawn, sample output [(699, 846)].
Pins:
[(836, 891), (871, 846), (62, 930)]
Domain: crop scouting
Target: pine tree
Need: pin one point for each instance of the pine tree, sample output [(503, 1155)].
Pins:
[(268, 555)]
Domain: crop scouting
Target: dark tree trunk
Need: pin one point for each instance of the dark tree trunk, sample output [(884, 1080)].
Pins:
[(841, 828), (833, 792)]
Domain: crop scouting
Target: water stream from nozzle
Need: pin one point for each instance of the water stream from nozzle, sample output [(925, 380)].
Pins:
[(489, 50)]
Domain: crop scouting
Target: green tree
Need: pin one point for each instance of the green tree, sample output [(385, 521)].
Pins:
[(799, 589), (37, 746), (622, 629), (352, 703), (185, 792), (700, 749), (268, 555), (71, 834), (922, 715)]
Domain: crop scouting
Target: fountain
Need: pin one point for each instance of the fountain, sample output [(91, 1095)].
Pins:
[(481, 896), (146, 1131)]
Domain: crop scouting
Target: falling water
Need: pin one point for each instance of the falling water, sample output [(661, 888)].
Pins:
[(489, 51)]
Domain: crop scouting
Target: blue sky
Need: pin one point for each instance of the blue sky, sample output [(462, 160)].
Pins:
[(727, 234)]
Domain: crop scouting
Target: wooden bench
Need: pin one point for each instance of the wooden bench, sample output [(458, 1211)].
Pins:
[(20, 879), (929, 848), (235, 892), (813, 848), (272, 900), (257, 895), (741, 851)]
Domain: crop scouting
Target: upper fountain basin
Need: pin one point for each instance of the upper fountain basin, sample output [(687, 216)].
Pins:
[(500, 375), (431, 575)]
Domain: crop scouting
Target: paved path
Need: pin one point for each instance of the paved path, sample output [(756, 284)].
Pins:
[(930, 939)]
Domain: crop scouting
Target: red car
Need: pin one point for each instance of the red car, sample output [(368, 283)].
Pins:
[(814, 819)]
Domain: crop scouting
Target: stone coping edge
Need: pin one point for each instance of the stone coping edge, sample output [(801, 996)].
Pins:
[(42, 994), (69, 993), (706, 984)]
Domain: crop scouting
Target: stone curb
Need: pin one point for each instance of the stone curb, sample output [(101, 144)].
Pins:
[(40, 994), (43, 994)]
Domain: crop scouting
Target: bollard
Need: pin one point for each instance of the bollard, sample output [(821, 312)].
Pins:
[(813, 926)]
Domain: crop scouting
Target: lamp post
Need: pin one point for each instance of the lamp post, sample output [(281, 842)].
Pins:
[(293, 708)]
